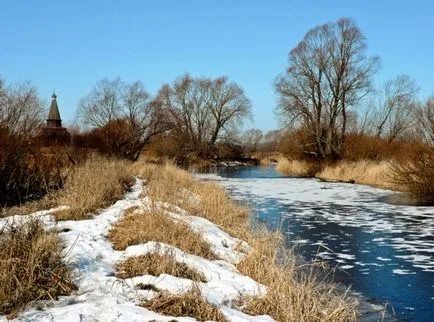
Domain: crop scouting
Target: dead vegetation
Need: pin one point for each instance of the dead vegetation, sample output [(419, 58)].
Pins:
[(32, 267), (373, 173), (291, 296), (156, 264), (417, 176), (137, 227), (95, 184), (190, 304)]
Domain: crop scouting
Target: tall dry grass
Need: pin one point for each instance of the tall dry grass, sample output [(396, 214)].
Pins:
[(137, 227), (373, 173), (94, 184), (296, 168), (294, 294), (32, 267), (291, 296)]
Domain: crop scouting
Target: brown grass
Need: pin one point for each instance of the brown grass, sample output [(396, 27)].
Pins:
[(175, 186), (291, 296), (296, 168), (373, 173), (157, 264), (140, 227), (189, 304), (31, 267), (96, 183)]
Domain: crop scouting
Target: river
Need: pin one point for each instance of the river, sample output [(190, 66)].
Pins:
[(384, 251)]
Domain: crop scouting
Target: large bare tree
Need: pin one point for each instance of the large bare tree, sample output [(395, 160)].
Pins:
[(124, 114), (328, 74), (202, 110)]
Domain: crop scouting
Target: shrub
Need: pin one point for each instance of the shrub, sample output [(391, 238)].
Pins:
[(31, 267), (26, 172), (416, 177)]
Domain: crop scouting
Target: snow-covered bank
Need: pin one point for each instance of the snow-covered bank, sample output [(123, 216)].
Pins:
[(103, 297)]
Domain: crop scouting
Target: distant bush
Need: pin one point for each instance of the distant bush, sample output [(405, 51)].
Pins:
[(26, 172), (417, 176)]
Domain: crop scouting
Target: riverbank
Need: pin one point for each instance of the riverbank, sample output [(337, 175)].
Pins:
[(174, 240), (383, 251)]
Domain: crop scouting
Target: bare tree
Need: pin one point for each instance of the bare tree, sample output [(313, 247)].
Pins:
[(425, 120), (124, 114), (202, 109), (394, 113), (252, 138), (328, 74), (229, 106), (21, 109)]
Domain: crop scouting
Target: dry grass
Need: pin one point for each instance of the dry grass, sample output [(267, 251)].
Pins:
[(290, 297), (295, 167), (31, 267), (137, 227), (293, 295), (373, 173), (156, 264), (175, 186), (189, 304), (96, 183)]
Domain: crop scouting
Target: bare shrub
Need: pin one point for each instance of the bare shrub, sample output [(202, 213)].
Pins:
[(31, 267), (417, 176), (156, 264), (189, 304), (26, 172)]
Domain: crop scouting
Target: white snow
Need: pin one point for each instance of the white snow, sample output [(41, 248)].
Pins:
[(103, 297)]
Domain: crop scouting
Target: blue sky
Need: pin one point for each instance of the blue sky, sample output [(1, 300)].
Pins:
[(69, 45)]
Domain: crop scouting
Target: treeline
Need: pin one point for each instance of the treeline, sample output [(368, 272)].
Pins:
[(192, 117), (328, 106)]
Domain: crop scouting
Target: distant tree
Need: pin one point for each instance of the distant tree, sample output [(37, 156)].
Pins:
[(328, 74), (203, 110), (394, 114), (124, 115), (252, 138), (425, 120), (21, 109)]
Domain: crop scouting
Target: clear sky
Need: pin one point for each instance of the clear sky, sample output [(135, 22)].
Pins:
[(69, 45)]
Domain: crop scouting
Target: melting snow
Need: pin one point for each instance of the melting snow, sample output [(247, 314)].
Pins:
[(103, 297)]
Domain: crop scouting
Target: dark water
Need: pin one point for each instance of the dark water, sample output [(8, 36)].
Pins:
[(384, 252)]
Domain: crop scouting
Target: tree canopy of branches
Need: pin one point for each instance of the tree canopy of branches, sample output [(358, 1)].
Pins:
[(394, 115), (123, 115), (21, 109), (203, 110), (425, 120), (328, 74)]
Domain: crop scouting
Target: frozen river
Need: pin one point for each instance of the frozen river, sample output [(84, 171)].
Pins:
[(386, 252)]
